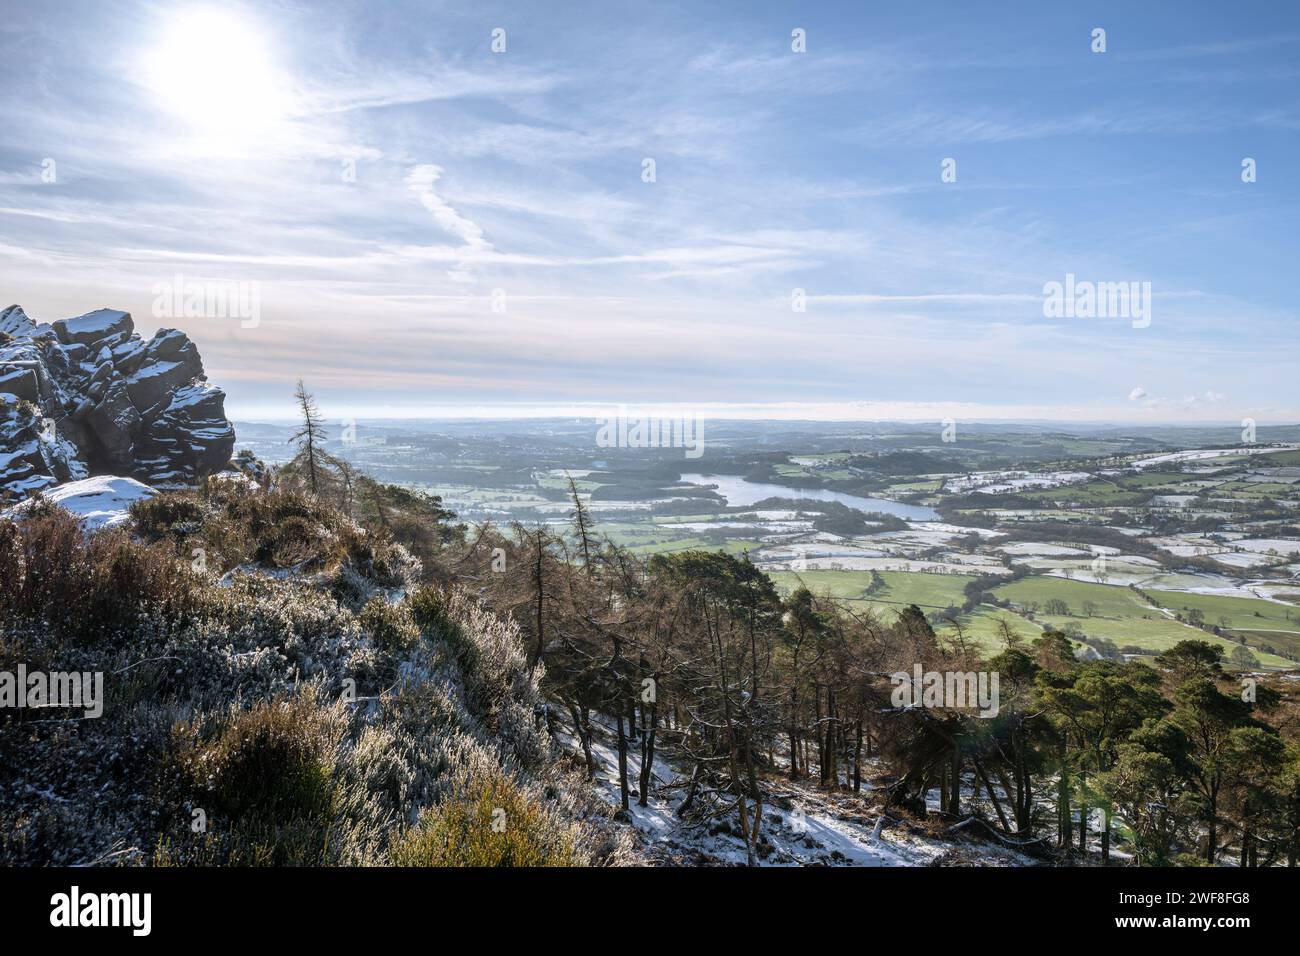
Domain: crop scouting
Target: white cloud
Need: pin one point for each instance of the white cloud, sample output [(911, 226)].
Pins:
[(420, 180)]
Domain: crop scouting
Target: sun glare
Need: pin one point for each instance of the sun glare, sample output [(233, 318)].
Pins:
[(215, 71)]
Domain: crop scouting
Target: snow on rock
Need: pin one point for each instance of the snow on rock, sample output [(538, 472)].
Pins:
[(14, 321), (87, 395), (103, 501), (93, 326)]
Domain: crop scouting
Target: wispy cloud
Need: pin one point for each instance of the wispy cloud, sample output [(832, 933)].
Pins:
[(412, 173)]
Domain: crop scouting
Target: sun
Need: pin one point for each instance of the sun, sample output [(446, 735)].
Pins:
[(214, 71)]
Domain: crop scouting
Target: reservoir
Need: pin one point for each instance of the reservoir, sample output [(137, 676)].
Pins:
[(742, 493)]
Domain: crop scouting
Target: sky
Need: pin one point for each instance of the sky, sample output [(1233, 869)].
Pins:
[(668, 204)]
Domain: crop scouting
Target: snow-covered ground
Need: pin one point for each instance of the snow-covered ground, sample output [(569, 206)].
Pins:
[(1042, 549), (1282, 546), (1243, 559), (103, 501), (1206, 454), (802, 825), (997, 482), (960, 564)]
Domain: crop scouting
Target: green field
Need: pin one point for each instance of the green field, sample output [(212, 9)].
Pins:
[(912, 487), (1255, 619), (930, 592), (1121, 615), (981, 627), (1152, 480), (648, 539), (1089, 494)]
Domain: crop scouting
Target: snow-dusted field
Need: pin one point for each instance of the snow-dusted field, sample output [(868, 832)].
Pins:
[(1283, 546), (1208, 454), (997, 482), (1245, 559), (1042, 549)]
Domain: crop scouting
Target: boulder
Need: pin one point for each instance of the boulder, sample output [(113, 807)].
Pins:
[(93, 327), (21, 382)]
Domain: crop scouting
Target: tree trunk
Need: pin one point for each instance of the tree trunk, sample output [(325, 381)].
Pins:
[(582, 727), (1105, 836), (954, 788), (821, 754), (830, 773), (536, 655), (997, 804), (1212, 832), (647, 754), (1065, 837), (794, 734), (622, 763), (857, 760)]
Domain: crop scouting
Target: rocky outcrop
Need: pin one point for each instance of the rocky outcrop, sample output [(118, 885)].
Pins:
[(88, 396)]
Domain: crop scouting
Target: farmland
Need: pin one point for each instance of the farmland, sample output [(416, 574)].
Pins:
[(1128, 542)]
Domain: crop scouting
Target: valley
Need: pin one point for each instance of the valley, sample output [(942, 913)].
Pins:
[(1127, 541)]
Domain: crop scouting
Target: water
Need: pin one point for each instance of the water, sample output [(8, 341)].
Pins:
[(742, 493)]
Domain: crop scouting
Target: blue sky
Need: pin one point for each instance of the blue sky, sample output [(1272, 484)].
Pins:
[(209, 141)]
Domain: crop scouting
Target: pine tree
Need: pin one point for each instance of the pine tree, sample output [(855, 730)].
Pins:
[(582, 524), (311, 436)]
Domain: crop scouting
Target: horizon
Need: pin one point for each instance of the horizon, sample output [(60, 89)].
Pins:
[(794, 415), (421, 222)]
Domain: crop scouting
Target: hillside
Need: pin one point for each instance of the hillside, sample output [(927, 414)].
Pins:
[(318, 709)]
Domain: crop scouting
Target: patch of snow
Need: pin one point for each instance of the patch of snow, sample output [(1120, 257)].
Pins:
[(103, 501)]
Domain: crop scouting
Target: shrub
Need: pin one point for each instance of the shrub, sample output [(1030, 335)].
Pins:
[(264, 778), (87, 586), (294, 541), (429, 608), (375, 557), (365, 562), (278, 527), (166, 515), (389, 625), (432, 613), (489, 823)]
